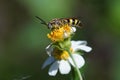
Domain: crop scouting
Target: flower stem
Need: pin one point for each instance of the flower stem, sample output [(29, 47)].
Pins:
[(76, 67)]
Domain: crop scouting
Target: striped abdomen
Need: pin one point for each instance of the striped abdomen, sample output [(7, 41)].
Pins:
[(73, 22)]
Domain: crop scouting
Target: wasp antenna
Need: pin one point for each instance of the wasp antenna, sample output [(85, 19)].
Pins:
[(42, 21)]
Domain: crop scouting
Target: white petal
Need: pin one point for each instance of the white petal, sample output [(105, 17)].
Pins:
[(66, 35), (78, 59), (79, 42), (54, 68), (71, 62), (75, 44), (48, 61), (85, 48), (64, 67), (73, 29), (80, 45), (49, 49)]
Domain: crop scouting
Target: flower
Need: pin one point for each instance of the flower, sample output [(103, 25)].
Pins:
[(61, 33), (61, 60)]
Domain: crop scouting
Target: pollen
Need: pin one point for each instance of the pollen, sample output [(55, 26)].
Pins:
[(61, 54), (56, 35), (60, 33), (67, 28)]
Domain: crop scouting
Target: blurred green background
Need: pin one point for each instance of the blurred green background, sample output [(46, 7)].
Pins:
[(23, 39)]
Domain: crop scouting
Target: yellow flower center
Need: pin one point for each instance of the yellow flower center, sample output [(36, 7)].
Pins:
[(61, 54), (60, 33), (56, 35)]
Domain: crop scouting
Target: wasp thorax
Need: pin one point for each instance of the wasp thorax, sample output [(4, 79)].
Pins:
[(54, 24)]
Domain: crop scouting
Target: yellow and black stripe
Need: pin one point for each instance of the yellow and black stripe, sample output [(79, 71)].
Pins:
[(73, 22)]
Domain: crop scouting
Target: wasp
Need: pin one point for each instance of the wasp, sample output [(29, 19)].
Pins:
[(59, 22)]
